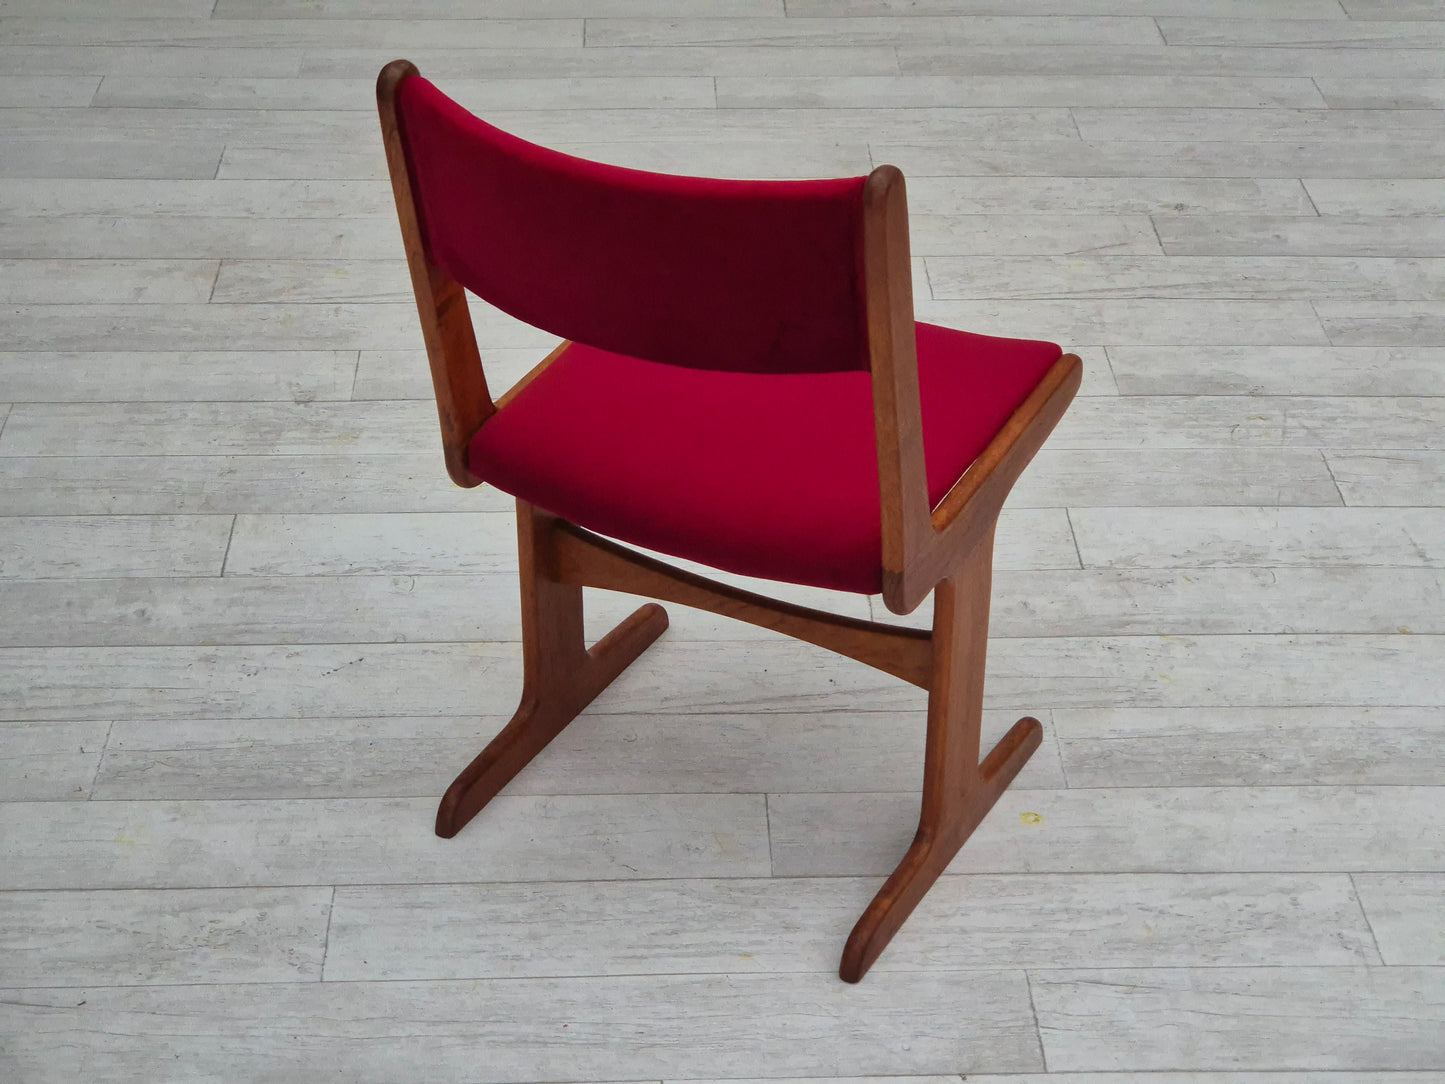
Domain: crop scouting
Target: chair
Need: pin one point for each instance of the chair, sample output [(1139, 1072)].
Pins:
[(744, 386)]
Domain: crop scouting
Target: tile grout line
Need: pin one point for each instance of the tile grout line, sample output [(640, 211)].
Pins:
[(1059, 747), (768, 828), (1074, 536), (1360, 902), (326, 939), (1033, 1009), (1325, 457), (1315, 207), (1109, 362), (100, 760), (227, 555)]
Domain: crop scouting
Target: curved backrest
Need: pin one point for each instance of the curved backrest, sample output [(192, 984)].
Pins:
[(750, 276)]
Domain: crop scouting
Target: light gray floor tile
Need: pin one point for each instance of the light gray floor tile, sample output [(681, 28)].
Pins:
[(323, 282), (597, 754), (392, 35), (1186, 277), (1079, 477), (1208, 747), (1382, 323), (202, 327), (427, 543), (1395, 477), (497, 9), (331, 610), (46, 377), (49, 761), (595, 92), (1126, 830), (46, 90), (54, 845), (527, 1030), (1242, 1018), (1220, 9), (1171, 421), (1383, 93), (1145, 538), (719, 126), (73, 547), (212, 429), (1107, 195), (161, 484), (1280, 599), (1268, 1077), (139, 234), (1393, 197), (1407, 914), (150, 282), (1276, 235), (1138, 158), (1136, 321), (1332, 33), (962, 30), (915, 91), (157, 59), (1278, 370), (1391, 9), (142, 938), (682, 677), (788, 924), (1159, 59), (1031, 234), (157, 159), (1259, 125), (659, 60)]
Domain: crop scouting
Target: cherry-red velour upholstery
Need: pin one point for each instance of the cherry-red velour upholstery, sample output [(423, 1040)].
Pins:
[(748, 276), (763, 475)]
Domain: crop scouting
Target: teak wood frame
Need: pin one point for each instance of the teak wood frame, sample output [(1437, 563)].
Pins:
[(947, 550)]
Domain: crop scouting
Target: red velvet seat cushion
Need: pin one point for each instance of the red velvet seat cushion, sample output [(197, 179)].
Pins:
[(765, 475)]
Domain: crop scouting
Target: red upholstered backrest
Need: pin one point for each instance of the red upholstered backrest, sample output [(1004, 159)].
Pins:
[(750, 276)]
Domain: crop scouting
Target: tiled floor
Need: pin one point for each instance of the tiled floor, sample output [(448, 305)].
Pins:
[(248, 626)]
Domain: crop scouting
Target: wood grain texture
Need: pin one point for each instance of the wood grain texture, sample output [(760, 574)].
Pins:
[(597, 754), (555, 1029), (787, 924), (1376, 1018), (163, 937), (74, 547), (1405, 914), (1122, 831), (155, 844), (52, 761), (1256, 746)]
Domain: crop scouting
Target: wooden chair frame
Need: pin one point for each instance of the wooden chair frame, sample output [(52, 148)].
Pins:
[(947, 550)]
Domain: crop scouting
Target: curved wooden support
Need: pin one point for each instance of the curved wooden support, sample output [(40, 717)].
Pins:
[(958, 791), (588, 560), (561, 676)]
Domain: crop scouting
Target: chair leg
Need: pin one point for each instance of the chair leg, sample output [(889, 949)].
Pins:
[(560, 674), (958, 791)]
